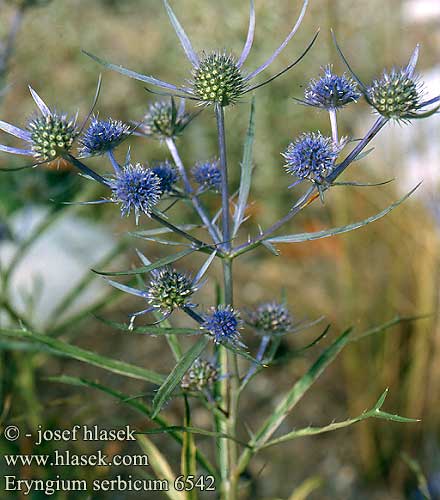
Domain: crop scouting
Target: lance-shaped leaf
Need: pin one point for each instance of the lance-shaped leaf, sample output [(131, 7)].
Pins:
[(300, 237), (375, 412), (193, 430), (246, 172), (162, 230), (174, 378), (138, 406), (155, 265), (70, 351)]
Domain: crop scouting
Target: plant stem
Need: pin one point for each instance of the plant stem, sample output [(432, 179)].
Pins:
[(190, 192), (334, 125)]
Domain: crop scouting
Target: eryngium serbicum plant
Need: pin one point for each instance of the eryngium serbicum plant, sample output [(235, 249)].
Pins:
[(153, 192)]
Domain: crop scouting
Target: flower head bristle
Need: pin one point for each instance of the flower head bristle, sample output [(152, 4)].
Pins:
[(271, 318), (136, 188), (167, 174), (102, 136), (208, 175), (202, 375), (51, 135), (312, 156), (218, 79), (223, 323), (395, 95), (331, 91), (169, 289)]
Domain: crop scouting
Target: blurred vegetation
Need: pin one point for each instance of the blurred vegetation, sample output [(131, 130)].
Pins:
[(361, 279)]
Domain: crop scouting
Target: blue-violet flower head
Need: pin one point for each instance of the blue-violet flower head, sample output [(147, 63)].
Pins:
[(102, 136), (167, 174), (136, 188), (331, 91), (223, 323), (311, 156), (208, 175)]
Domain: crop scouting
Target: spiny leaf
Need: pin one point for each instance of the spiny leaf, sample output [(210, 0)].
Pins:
[(149, 330)]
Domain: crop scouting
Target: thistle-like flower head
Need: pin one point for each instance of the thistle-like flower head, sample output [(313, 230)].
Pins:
[(396, 95), (201, 376), (136, 188), (169, 289), (164, 120), (167, 174), (224, 324), (102, 136), (271, 318), (48, 135), (217, 77), (311, 156), (331, 91), (208, 175)]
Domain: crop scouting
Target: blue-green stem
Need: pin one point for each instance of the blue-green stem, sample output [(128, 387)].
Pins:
[(190, 192)]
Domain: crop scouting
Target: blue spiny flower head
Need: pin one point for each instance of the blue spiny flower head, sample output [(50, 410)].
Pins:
[(164, 120), (136, 188), (48, 135), (271, 318), (223, 323), (217, 79), (202, 375), (167, 174), (169, 289), (311, 156), (331, 91), (102, 136), (208, 175)]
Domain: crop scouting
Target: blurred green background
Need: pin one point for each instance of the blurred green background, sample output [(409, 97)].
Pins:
[(363, 278)]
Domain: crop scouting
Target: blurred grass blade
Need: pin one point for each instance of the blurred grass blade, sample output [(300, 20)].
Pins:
[(246, 172), (298, 238), (188, 458), (166, 389), (152, 330), (161, 467), (375, 412), (300, 388), (155, 265), (306, 488), (422, 483), (67, 350), (138, 406), (395, 321)]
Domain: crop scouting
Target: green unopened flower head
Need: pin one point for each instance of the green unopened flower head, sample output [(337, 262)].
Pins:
[(202, 375), (218, 79), (396, 94), (164, 119), (51, 135), (169, 289)]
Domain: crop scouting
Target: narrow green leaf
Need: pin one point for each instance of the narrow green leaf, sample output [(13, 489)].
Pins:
[(421, 479), (71, 351), (300, 388), (151, 330), (300, 237), (188, 457), (146, 269), (383, 415), (174, 378), (193, 430), (137, 406), (162, 230), (246, 172)]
